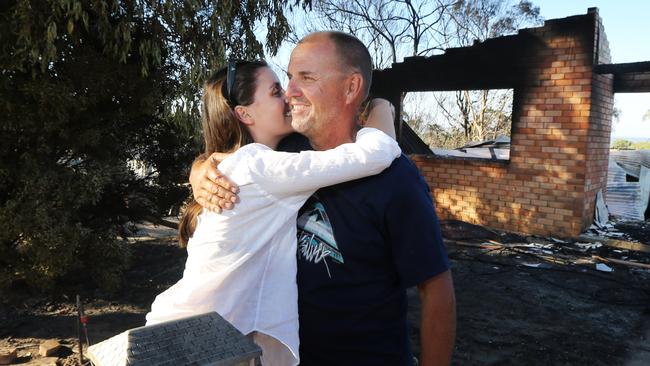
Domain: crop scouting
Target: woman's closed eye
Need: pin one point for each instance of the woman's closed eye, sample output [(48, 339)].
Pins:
[(277, 92)]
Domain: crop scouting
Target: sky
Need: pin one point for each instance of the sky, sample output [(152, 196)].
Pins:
[(628, 28), (627, 25)]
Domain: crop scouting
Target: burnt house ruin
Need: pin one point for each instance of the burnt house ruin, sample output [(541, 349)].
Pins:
[(563, 90)]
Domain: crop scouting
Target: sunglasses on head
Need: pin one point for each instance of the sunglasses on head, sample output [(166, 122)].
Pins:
[(230, 79), (231, 70)]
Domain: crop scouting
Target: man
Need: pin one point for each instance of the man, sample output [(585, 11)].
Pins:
[(360, 243)]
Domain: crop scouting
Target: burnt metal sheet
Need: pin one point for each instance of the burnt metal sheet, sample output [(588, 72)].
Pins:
[(628, 200)]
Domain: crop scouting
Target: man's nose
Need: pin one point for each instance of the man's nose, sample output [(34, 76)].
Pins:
[(292, 90)]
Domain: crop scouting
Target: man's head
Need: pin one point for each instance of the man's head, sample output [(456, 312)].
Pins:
[(329, 78)]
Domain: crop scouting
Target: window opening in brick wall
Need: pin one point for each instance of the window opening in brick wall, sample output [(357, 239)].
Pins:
[(631, 122), (465, 123)]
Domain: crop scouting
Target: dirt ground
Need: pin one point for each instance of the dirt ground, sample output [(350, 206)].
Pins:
[(525, 301)]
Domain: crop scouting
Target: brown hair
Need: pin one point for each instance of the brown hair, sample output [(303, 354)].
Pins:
[(222, 131)]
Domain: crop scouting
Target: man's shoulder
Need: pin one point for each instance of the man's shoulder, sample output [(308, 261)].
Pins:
[(402, 165), (401, 177), (401, 172)]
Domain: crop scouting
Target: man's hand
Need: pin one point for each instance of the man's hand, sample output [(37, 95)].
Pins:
[(438, 323), (210, 188)]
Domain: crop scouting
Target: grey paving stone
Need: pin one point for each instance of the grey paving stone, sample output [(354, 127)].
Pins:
[(205, 339)]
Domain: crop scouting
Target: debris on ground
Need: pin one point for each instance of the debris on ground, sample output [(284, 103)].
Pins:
[(603, 267), (49, 348), (517, 291), (599, 247), (8, 355), (521, 300)]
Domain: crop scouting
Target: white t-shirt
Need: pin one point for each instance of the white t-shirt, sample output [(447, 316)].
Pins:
[(242, 263)]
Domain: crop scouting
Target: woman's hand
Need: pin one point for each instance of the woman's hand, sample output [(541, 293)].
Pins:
[(381, 116), (211, 189)]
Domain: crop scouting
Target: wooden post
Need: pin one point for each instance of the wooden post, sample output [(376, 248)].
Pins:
[(79, 316)]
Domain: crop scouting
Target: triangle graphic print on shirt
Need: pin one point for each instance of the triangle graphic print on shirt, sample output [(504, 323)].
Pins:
[(316, 242)]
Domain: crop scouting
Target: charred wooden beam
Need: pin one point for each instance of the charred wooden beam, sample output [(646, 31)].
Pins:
[(623, 68)]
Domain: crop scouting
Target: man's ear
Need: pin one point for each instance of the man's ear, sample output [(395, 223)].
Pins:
[(354, 88), (243, 116)]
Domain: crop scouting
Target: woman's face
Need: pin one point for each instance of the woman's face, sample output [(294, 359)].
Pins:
[(269, 110)]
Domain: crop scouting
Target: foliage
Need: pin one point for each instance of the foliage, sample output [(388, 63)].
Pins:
[(616, 113), (478, 20), (621, 144), (88, 86), (624, 144), (418, 115), (641, 145), (478, 115)]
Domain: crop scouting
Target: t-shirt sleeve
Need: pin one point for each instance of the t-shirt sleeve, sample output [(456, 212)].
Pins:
[(284, 174), (414, 230)]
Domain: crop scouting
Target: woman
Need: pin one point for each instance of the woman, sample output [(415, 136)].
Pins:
[(242, 263)]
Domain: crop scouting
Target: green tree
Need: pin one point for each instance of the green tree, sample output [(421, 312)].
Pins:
[(621, 144), (644, 145), (87, 87)]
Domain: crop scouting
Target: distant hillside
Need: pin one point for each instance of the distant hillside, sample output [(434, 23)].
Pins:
[(630, 144), (631, 138)]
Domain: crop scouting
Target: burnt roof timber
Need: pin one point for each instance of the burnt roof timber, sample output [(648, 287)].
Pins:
[(497, 63), (623, 68)]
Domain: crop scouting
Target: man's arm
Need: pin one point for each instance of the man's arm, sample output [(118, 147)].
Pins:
[(438, 320), (210, 188), (421, 259)]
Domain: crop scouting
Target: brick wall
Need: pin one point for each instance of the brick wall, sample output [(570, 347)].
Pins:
[(560, 139), (600, 126)]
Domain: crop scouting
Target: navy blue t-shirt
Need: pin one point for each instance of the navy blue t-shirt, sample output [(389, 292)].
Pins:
[(361, 244)]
